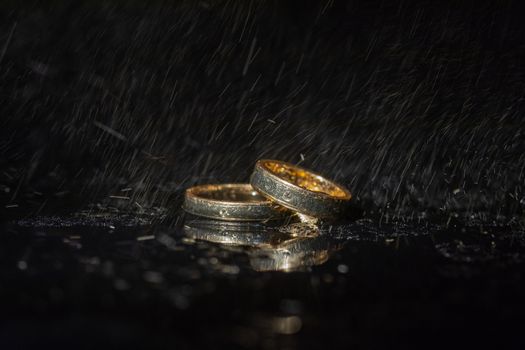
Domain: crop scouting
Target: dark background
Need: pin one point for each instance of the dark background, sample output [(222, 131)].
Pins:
[(415, 106), (412, 105)]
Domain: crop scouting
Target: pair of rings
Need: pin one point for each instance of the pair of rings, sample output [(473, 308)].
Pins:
[(275, 189)]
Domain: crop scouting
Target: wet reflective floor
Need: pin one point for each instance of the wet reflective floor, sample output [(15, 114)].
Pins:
[(127, 280)]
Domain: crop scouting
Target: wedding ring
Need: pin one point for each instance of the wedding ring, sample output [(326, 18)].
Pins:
[(299, 189), (234, 202)]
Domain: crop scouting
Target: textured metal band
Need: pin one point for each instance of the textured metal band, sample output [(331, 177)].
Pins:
[(234, 202), (315, 202)]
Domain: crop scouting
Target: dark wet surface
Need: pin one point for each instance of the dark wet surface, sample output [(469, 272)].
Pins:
[(129, 281)]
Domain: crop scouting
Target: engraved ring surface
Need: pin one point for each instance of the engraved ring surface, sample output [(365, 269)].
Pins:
[(299, 189), (234, 202)]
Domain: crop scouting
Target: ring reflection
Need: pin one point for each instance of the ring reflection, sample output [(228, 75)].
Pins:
[(269, 248)]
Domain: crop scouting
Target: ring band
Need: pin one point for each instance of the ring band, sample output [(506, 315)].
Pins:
[(299, 189), (234, 202)]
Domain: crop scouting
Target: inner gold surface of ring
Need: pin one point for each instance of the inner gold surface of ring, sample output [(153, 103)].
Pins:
[(236, 193), (305, 179)]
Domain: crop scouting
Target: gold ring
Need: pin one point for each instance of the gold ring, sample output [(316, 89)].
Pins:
[(234, 202), (299, 189)]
